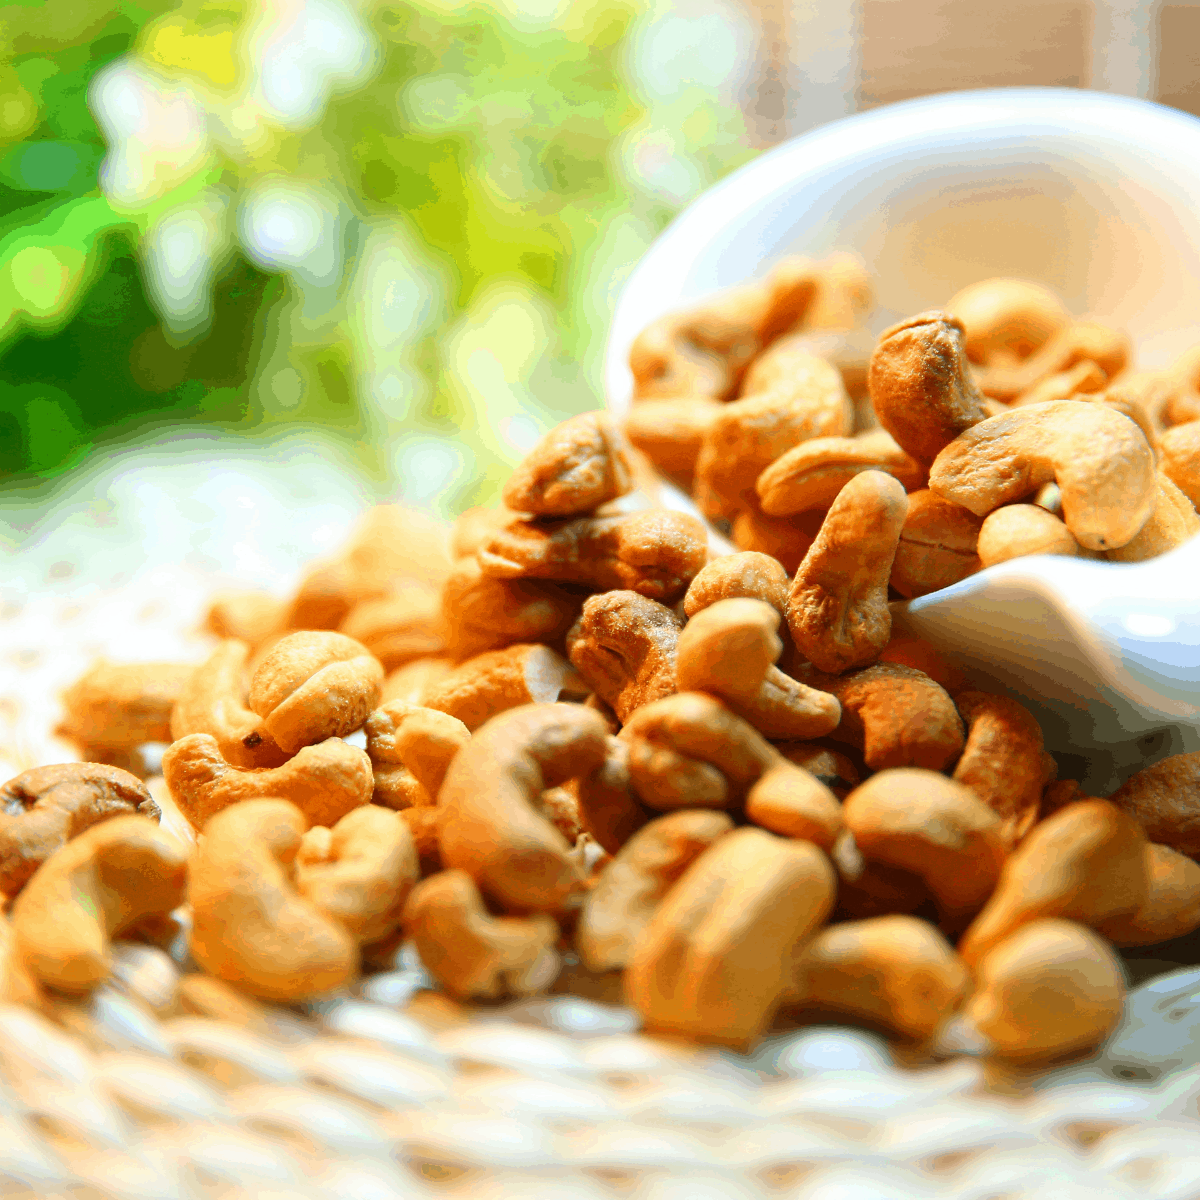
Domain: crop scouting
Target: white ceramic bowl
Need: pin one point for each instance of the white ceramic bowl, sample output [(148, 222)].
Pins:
[(1092, 194)]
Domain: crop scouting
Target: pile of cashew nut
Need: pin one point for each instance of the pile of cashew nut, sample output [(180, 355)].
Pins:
[(566, 745)]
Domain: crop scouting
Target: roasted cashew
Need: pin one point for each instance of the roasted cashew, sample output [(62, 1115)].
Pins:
[(324, 781), (624, 646), (489, 824), (812, 474), (1085, 863), (896, 715), (837, 606), (211, 702), (470, 952), (894, 972), (1004, 760), (397, 628), (732, 576), (789, 801), (119, 706), (670, 432), (729, 649), (360, 872), (785, 538), (250, 617), (497, 680), (609, 808), (43, 809), (421, 739), (250, 926), (575, 468), (790, 395), (98, 885), (1180, 449), (921, 384), (690, 751), (655, 552), (1016, 530), (1006, 320), (632, 886), (829, 767), (1164, 798), (873, 889), (937, 545), (1108, 348), (719, 954), (922, 822), (1083, 377), (1172, 905), (412, 682), (1173, 522), (1099, 459)]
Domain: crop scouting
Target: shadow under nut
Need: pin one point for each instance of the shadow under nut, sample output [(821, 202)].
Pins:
[(1100, 460)]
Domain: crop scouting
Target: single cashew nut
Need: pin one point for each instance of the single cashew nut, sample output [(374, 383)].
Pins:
[(575, 468), (1173, 522), (211, 702), (397, 628), (921, 384), (937, 545), (470, 952), (670, 432), (1006, 319), (633, 884), (314, 685), (324, 781), (1083, 377), (118, 706), (360, 872), (733, 576), (837, 607), (719, 954), (894, 972), (413, 681), (1180, 449), (421, 739), (1085, 863), (609, 808), (497, 680), (1099, 459), (250, 617), (86, 894), (490, 827), (250, 926), (1080, 341), (1172, 905), (624, 646), (1004, 761), (1017, 530), (786, 538), (43, 809), (922, 822), (1050, 988), (789, 801), (690, 751), (1164, 798), (729, 649)]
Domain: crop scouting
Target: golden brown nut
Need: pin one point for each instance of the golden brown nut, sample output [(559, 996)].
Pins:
[(837, 607), (575, 468), (1099, 459), (1180, 449), (873, 889), (251, 617), (748, 574), (413, 681), (937, 545), (786, 538), (1164, 798), (123, 705), (830, 767), (1172, 905), (1017, 530), (655, 553), (1173, 522), (1084, 377), (312, 686), (398, 628), (423, 740), (719, 954), (43, 809), (1108, 348), (671, 432), (791, 802), (1006, 319), (624, 646), (921, 384), (609, 808)]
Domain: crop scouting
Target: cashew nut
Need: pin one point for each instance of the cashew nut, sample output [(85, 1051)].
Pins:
[(250, 617), (397, 628), (250, 926), (1164, 798), (1083, 377), (1180, 448), (1006, 319), (789, 801), (670, 432), (1172, 905), (785, 538), (830, 767), (609, 809), (324, 781), (732, 576), (1108, 348), (1017, 530), (1173, 522), (86, 894), (873, 889), (1099, 459), (413, 681), (937, 545), (489, 824), (423, 740), (119, 706)]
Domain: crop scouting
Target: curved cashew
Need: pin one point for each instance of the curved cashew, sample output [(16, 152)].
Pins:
[(1108, 348), (897, 716), (921, 384), (789, 801), (1084, 377), (421, 739), (609, 809), (324, 781), (1172, 905), (470, 952), (922, 822), (729, 649), (624, 646), (632, 886), (397, 628), (360, 872), (1050, 988), (790, 395), (908, 651), (1085, 863), (1017, 530), (489, 824), (250, 617), (96, 886), (670, 432), (211, 702), (43, 809), (719, 954), (118, 706), (424, 823), (837, 607), (1006, 319), (937, 545), (894, 972), (413, 681), (1173, 522), (812, 474), (785, 538), (1180, 448), (312, 686), (690, 751), (654, 552), (497, 680), (250, 926), (733, 576), (1164, 798), (1004, 760), (1099, 459), (575, 468)]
